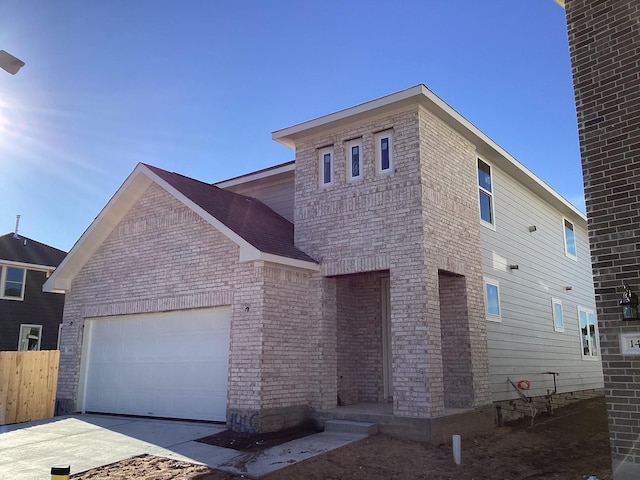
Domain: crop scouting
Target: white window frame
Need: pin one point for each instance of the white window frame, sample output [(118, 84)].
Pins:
[(3, 280), (25, 326), (481, 190), (321, 154), (594, 353), (347, 150), (378, 137), (573, 256), (492, 316), (554, 315)]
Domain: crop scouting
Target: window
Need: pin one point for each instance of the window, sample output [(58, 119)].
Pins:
[(558, 321), (325, 157), (588, 333), (485, 187), (384, 152), (353, 151), (30, 337), (569, 239), (12, 280), (492, 300)]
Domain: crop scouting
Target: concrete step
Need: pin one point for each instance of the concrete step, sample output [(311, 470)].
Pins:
[(348, 426)]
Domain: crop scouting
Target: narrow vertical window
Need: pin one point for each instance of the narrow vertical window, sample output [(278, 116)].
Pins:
[(492, 300), (558, 320), (354, 159), (485, 187), (384, 152), (569, 239), (588, 333), (326, 166)]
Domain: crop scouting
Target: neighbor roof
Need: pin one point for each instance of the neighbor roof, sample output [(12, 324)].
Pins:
[(20, 249), (249, 218)]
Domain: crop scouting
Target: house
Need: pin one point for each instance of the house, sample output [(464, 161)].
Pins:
[(29, 318), (404, 267)]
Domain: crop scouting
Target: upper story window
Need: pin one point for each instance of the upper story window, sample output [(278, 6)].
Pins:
[(353, 151), (492, 300), (569, 239), (325, 158), (384, 152), (558, 320), (12, 281), (485, 187), (588, 333)]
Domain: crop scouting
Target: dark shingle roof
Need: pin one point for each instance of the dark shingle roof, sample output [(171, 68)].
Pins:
[(25, 250), (249, 218)]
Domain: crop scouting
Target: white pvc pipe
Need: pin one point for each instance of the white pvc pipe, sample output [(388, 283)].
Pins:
[(457, 449)]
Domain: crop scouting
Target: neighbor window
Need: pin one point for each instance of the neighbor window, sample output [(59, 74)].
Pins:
[(325, 157), (485, 188), (558, 321), (588, 333), (384, 152), (353, 151), (569, 239), (30, 337), (492, 300), (12, 280)]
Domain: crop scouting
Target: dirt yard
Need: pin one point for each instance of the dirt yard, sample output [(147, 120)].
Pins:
[(571, 445)]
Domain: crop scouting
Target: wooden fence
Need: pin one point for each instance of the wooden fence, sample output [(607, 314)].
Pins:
[(28, 382)]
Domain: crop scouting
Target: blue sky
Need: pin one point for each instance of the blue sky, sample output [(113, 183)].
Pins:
[(198, 86)]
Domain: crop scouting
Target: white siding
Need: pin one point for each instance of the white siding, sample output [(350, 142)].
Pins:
[(275, 191), (524, 344)]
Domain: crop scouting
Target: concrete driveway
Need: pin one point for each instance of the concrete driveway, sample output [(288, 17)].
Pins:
[(29, 450)]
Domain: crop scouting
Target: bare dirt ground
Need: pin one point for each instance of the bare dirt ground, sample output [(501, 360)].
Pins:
[(571, 445)]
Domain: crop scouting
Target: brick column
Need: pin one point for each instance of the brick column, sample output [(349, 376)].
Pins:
[(604, 39)]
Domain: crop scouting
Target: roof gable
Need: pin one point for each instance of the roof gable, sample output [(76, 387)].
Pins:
[(251, 219), (18, 248), (260, 233)]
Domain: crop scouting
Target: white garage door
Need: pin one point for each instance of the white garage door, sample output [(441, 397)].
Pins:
[(171, 364)]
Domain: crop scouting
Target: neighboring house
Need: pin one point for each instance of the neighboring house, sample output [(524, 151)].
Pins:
[(404, 265), (29, 318)]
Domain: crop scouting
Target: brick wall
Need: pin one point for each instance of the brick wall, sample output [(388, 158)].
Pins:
[(603, 39), (162, 256), (406, 223)]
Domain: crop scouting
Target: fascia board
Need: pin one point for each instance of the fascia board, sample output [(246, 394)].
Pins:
[(277, 259), (28, 266), (251, 177), (113, 212)]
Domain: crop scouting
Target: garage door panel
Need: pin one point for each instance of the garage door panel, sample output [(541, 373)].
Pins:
[(172, 364)]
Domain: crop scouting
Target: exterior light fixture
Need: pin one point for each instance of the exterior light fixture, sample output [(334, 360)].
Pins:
[(532, 228), (513, 267), (629, 304), (9, 63)]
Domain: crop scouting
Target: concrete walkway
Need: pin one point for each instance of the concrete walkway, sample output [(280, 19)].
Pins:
[(29, 450)]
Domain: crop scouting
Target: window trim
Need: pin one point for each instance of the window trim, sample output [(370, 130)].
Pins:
[(556, 327), (349, 163), (492, 224), (573, 256), (492, 317), (593, 349), (29, 326), (378, 138), (321, 178), (3, 280)]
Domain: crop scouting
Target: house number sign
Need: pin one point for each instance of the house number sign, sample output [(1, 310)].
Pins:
[(630, 343)]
